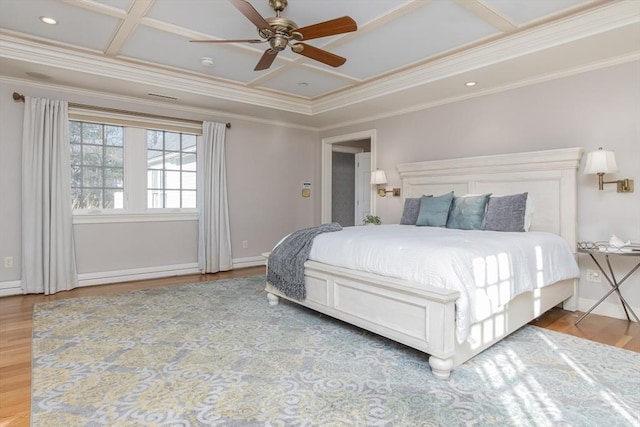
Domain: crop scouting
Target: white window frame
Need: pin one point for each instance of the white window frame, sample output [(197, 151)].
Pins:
[(135, 168)]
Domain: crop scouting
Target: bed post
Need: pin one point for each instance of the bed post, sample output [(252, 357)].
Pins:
[(441, 368), (569, 215), (273, 299)]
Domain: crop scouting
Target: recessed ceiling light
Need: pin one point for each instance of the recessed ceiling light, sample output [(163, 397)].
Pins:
[(48, 20), (207, 61), (470, 83), (303, 84)]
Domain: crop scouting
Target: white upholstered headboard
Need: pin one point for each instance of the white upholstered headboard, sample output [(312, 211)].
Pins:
[(548, 176)]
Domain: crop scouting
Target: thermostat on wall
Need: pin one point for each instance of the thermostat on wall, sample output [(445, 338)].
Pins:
[(306, 189)]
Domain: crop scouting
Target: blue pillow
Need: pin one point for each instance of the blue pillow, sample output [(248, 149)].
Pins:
[(434, 210), (467, 212)]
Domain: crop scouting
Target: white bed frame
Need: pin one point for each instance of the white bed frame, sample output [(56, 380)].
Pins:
[(425, 319)]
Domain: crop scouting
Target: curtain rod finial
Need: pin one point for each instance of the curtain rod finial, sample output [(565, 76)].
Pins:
[(18, 97)]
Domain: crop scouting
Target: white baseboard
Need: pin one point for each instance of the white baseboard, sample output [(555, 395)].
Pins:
[(104, 277), (610, 309), (90, 279), (253, 261), (13, 287)]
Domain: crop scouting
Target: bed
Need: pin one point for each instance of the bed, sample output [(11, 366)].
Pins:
[(425, 317)]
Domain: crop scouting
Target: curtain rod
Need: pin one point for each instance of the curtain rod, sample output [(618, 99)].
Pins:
[(20, 98)]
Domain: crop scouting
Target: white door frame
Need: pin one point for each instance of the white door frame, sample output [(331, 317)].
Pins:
[(363, 186), (327, 143)]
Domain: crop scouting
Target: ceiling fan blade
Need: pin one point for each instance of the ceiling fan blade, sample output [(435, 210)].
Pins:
[(229, 41), (251, 14), (328, 28), (319, 54), (267, 59)]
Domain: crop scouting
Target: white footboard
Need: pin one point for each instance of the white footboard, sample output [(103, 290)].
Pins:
[(422, 319)]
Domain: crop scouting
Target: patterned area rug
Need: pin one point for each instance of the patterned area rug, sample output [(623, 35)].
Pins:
[(216, 353)]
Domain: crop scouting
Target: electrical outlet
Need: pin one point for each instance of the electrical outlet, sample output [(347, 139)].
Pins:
[(594, 276), (8, 262), (245, 244)]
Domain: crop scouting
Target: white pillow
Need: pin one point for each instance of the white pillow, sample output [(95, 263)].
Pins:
[(528, 212)]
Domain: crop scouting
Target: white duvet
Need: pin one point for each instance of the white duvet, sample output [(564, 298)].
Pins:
[(488, 268)]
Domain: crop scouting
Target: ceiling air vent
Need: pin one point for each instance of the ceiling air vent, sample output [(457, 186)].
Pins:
[(163, 96)]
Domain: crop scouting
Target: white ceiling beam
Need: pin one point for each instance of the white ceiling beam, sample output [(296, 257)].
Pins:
[(136, 12), (98, 7), (489, 15)]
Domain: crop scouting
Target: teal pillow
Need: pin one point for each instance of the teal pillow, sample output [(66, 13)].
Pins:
[(467, 212), (434, 210)]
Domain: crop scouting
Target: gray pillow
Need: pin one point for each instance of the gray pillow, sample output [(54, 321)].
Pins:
[(467, 213), (411, 209), (434, 210), (506, 213)]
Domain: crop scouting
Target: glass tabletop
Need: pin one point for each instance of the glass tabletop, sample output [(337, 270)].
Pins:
[(602, 247)]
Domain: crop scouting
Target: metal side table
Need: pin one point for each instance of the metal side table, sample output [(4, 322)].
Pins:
[(606, 250)]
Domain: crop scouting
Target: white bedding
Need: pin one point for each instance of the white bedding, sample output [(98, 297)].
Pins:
[(488, 268)]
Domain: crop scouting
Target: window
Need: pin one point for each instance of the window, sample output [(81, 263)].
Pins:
[(97, 165), (171, 170), (131, 168)]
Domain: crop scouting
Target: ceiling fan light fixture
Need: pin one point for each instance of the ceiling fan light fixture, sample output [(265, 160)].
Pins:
[(278, 43)]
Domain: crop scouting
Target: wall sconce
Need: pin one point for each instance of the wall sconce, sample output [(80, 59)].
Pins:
[(602, 161), (379, 178)]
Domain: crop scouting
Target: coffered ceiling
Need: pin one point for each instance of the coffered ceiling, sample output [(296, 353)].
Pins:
[(406, 54)]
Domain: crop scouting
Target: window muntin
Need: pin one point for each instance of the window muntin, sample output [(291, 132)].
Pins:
[(134, 192), (97, 165), (171, 170)]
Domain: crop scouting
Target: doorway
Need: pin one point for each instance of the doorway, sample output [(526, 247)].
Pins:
[(347, 161)]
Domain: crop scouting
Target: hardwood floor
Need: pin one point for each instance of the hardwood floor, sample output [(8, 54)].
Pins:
[(16, 330)]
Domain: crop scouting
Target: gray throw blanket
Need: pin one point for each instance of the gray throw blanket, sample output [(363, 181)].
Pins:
[(285, 269)]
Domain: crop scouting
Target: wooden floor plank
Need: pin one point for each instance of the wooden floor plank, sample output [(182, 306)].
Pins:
[(16, 327)]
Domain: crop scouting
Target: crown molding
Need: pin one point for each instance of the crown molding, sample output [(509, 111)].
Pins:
[(177, 109), (54, 56), (606, 18), (610, 16), (515, 85)]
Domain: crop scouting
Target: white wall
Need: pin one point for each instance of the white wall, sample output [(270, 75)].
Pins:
[(266, 166), (597, 108)]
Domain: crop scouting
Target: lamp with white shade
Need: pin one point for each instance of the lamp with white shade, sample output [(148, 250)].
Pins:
[(379, 178), (602, 161)]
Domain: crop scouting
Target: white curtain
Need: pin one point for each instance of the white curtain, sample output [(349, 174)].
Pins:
[(214, 238), (48, 257)]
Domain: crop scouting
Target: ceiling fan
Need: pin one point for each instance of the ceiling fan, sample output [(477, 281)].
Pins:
[(281, 32)]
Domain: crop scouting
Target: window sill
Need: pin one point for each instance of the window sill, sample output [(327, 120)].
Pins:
[(106, 218)]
